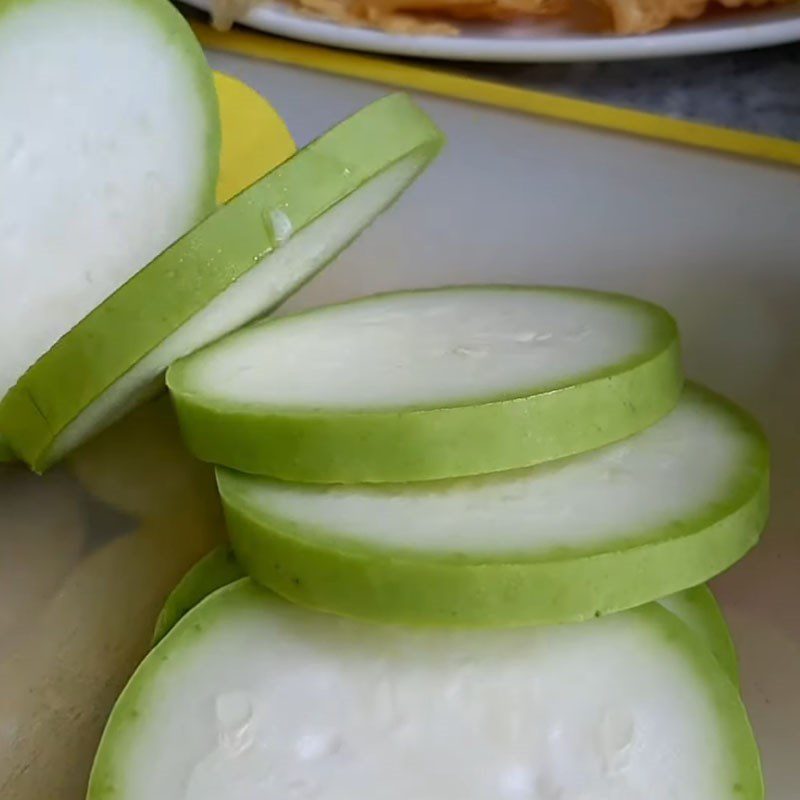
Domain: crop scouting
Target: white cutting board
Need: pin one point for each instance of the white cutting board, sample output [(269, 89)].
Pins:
[(715, 239), (513, 199)]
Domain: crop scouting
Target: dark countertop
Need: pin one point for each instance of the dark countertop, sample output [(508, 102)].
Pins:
[(758, 90)]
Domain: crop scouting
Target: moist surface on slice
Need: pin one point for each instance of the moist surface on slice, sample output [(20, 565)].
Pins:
[(613, 528), (109, 150), (237, 264), (428, 384), (250, 697)]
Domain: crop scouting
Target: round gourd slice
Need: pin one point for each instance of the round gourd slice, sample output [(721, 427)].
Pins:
[(429, 384), (697, 607), (140, 464), (238, 264), (700, 611), (215, 570), (250, 697), (591, 534), (254, 140), (109, 150)]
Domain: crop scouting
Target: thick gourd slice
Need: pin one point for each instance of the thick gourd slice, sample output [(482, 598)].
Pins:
[(109, 150), (594, 533), (696, 607), (429, 384), (238, 264), (219, 568), (699, 610), (254, 140), (251, 697)]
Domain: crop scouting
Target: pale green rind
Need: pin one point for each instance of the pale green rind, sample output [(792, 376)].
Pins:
[(322, 571), (431, 443), (698, 609), (108, 774), (203, 264), (217, 569)]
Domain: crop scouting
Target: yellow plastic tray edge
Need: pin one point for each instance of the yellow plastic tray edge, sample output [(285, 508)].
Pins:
[(582, 112)]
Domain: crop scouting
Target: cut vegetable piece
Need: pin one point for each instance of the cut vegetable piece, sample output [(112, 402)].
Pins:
[(109, 148), (239, 263), (699, 610), (696, 608), (140, 465), (595, 533), (250, 696), (217, 569), (429, 384)]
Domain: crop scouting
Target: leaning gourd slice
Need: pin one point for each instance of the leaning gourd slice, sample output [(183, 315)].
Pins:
[(250, 696), (109, 150), (429, 384), (587, 535), (238, 264)]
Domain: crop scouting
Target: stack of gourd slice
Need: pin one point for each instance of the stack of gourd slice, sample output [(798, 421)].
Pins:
[(506, 498), (470, 480)]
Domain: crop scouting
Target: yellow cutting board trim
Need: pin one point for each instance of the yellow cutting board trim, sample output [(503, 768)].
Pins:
[(582, 112)]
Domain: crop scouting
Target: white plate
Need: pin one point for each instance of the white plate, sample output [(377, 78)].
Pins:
[(540, 41)]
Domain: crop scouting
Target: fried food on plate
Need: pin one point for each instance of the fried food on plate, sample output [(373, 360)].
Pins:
[(630, 17), (431, 17), (402, 16)]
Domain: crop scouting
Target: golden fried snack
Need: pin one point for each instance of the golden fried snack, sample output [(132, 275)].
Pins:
[(623, 17), (401, 16), (631, 17)]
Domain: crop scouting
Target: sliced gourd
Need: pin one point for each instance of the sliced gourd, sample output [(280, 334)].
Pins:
[(429, 384), (696, 607), (109, 150), (217, 569), (254, 140), (236, 265), (140, 465), (250, 697), (700, 611), (587, 535)]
